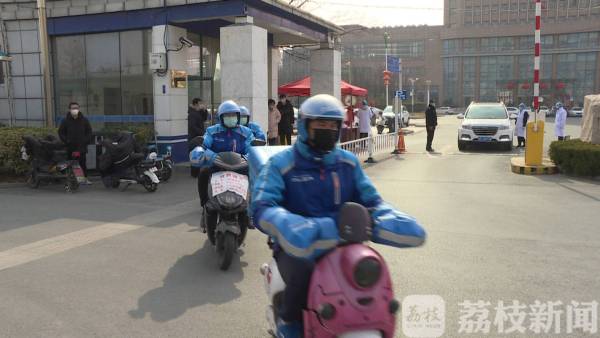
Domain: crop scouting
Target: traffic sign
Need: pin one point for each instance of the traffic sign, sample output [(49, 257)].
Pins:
[(393, 64), (402, 94)]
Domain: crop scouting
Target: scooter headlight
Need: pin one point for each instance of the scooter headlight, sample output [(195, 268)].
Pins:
[(367, 272)]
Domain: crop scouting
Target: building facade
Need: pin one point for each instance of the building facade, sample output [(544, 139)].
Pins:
[(483, 52), (488, 47), (100, 56)]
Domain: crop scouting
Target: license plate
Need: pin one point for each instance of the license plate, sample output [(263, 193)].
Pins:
[(485, 138), (229, 181), (153, 169)]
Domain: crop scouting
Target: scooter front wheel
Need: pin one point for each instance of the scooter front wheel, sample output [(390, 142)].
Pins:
[(33, 181), (149, 185), (226, 247)]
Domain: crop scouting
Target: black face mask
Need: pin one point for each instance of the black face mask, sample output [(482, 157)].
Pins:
[(324, 140)]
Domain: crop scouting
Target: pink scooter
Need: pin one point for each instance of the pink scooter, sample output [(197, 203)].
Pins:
[(351, 293)]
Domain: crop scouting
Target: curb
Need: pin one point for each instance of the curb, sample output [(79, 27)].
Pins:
[(518, 166)]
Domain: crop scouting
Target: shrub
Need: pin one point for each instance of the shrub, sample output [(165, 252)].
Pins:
[(143, 133), (575, 157), (11, 141)]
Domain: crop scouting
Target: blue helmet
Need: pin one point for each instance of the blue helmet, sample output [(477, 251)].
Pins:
[(319, 107), (522, 106), (228, 106), (244, 116)]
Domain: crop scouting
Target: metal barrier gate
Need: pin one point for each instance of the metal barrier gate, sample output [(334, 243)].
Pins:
[(365, 148)]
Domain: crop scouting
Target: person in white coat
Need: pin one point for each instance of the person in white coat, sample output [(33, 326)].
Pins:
[(521, 125), (560, 121)]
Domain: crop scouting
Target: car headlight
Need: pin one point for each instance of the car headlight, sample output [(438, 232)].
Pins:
[(467, 126), (503, 127)]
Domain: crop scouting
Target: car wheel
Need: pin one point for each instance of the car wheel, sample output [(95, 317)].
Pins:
[(462, 145), (508, 146)]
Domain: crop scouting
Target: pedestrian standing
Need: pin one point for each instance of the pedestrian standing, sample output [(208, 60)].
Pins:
[(197, 116), (274, 119), (365, 114), (521, 125), (76, 133), (559, 121), (430, 124), (286, 124)]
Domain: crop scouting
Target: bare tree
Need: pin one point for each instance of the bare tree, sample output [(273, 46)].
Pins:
[(298, 3)]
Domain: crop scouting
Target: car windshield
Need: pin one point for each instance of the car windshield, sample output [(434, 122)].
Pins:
[(486, 112), (577, 108)]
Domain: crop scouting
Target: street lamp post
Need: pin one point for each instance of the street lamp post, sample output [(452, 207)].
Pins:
[(386, 37), (428, 82), (45, 60), (412, 93), (349, 64)]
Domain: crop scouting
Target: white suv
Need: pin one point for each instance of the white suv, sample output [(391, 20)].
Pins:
[(485, 123)]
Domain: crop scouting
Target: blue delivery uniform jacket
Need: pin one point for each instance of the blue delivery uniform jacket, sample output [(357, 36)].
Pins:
[(297, 196), (257, 132), (219, 139)]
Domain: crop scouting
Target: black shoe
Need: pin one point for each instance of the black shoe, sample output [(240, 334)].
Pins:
[(430, 150)]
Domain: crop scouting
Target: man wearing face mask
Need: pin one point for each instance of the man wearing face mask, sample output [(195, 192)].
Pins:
[(245, 121), (197, 115), (228, 135), (76, 133), (430, 124), (297, 197)]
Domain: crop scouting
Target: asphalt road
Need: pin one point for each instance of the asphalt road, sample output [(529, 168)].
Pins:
[(133, 264)]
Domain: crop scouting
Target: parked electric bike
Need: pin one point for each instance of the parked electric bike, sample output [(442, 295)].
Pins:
[(164, 163), (350, 292), (224, 215), (123, 164), (50, 162)]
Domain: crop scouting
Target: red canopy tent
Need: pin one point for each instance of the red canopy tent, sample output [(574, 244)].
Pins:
[(302, 88)]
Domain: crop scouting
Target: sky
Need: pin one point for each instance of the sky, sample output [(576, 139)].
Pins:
[(376, 13)]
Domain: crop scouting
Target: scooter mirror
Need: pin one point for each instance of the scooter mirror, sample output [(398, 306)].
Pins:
[(354, 223)]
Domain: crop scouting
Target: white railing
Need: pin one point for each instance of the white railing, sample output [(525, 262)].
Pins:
[(366, 148)]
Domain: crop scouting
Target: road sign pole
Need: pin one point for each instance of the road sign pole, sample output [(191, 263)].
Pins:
[(399, 108), (387, 86)]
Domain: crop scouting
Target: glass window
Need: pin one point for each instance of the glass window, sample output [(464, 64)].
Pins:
[(470, 45), (451, 66), (469, 68), (69, 68), (103, 78), (579, 40), (107, 74), (136, 79), (451, 46), (576, 74), (495, 74)]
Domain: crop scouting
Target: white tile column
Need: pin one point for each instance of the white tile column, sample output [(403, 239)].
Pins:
[(244, 67), (274, 60), (325, 72), (170, 104)]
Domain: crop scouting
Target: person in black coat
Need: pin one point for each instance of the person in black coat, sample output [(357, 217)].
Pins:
[(286, 124), (430, 124), (197, 116), (76, 133)]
